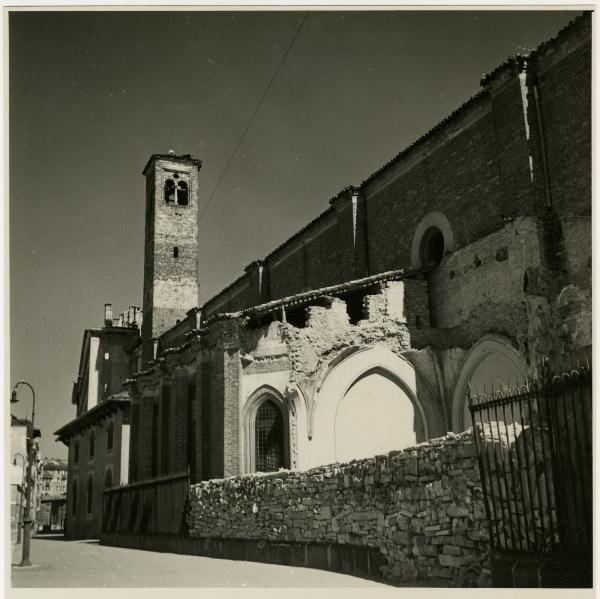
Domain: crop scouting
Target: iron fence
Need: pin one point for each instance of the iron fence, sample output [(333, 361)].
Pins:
[(534, 445), (154, 506)]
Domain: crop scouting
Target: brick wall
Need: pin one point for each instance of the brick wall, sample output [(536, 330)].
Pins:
[(564, 84), (482, 165), (422, 508), (577, 242), (171, 248), (489, 271)]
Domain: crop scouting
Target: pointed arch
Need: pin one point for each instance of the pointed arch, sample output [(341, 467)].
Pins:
[(269, 399), (491, 348), (375, 365)]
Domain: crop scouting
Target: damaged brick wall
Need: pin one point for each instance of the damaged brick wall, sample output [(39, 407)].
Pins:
[(421, 507), (329, 332)]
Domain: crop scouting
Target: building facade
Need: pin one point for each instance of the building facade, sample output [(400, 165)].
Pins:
[(51, 513), (464, 261), (98, 437)]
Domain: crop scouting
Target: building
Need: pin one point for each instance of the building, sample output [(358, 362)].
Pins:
[(20, 430), (53, 478), (98, 437), (51, 512), (465, 260)]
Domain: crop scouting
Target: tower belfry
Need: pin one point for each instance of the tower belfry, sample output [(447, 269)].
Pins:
[(171, 244)]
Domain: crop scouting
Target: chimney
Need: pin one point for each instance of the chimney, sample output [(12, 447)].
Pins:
[(108, 315)]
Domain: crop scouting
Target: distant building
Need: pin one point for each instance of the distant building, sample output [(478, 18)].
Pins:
[(53, 480), (98, 437), (53, 496), (20, 430)]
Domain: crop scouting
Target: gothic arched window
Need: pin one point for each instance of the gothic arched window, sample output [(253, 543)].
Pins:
[(108, 479), (269, 437), (170, 191)]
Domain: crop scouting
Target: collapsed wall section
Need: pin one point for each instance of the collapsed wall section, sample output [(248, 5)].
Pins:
[(421, 508)]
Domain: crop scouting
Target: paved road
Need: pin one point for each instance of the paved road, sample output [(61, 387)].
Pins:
[(53, 562)]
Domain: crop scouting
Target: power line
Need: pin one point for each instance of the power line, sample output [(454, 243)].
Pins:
[(241, 139)]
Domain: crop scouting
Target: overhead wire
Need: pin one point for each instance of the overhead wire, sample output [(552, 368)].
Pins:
[(262, 98)]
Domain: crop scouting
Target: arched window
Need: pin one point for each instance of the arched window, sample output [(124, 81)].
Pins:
[(175, 252), (92, 447), (170, 191), (90, 494), (432, 247), (269, 437), (74, 498), (182, 193), (108, 479), (110, 430), (76, 451)]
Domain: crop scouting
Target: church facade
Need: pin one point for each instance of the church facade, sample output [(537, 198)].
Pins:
[(465, 260)]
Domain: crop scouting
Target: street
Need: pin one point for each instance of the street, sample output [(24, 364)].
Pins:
[(53, 558)]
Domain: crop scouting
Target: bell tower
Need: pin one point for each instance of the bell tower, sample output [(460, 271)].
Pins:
[(171, 244)]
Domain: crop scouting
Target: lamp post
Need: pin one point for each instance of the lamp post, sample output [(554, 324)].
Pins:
[(27, 520), (20, 516)]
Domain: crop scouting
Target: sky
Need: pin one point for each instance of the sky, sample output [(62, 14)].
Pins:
[(93, 94)]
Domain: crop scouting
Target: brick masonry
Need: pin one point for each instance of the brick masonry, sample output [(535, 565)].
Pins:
[(421, 507), (481, 160), (171, 247)]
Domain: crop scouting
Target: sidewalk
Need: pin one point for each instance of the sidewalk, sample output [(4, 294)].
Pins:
[(53, 558)]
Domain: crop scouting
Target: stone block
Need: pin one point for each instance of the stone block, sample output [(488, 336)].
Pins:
[(451, 550), (450, 561)]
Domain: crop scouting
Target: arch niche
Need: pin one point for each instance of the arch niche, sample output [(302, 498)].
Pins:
[(493, 361), (367, 405)]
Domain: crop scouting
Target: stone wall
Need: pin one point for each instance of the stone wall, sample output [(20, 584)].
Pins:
[(422, 508)]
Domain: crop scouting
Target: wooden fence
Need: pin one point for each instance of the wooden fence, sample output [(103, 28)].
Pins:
[(153, 506)]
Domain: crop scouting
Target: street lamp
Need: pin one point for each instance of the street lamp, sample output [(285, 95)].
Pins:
[(27, 520), (20, 516)]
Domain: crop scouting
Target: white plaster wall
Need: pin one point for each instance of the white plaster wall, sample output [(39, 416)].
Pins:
[(321, 449), (125, 436), (252, 382)]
